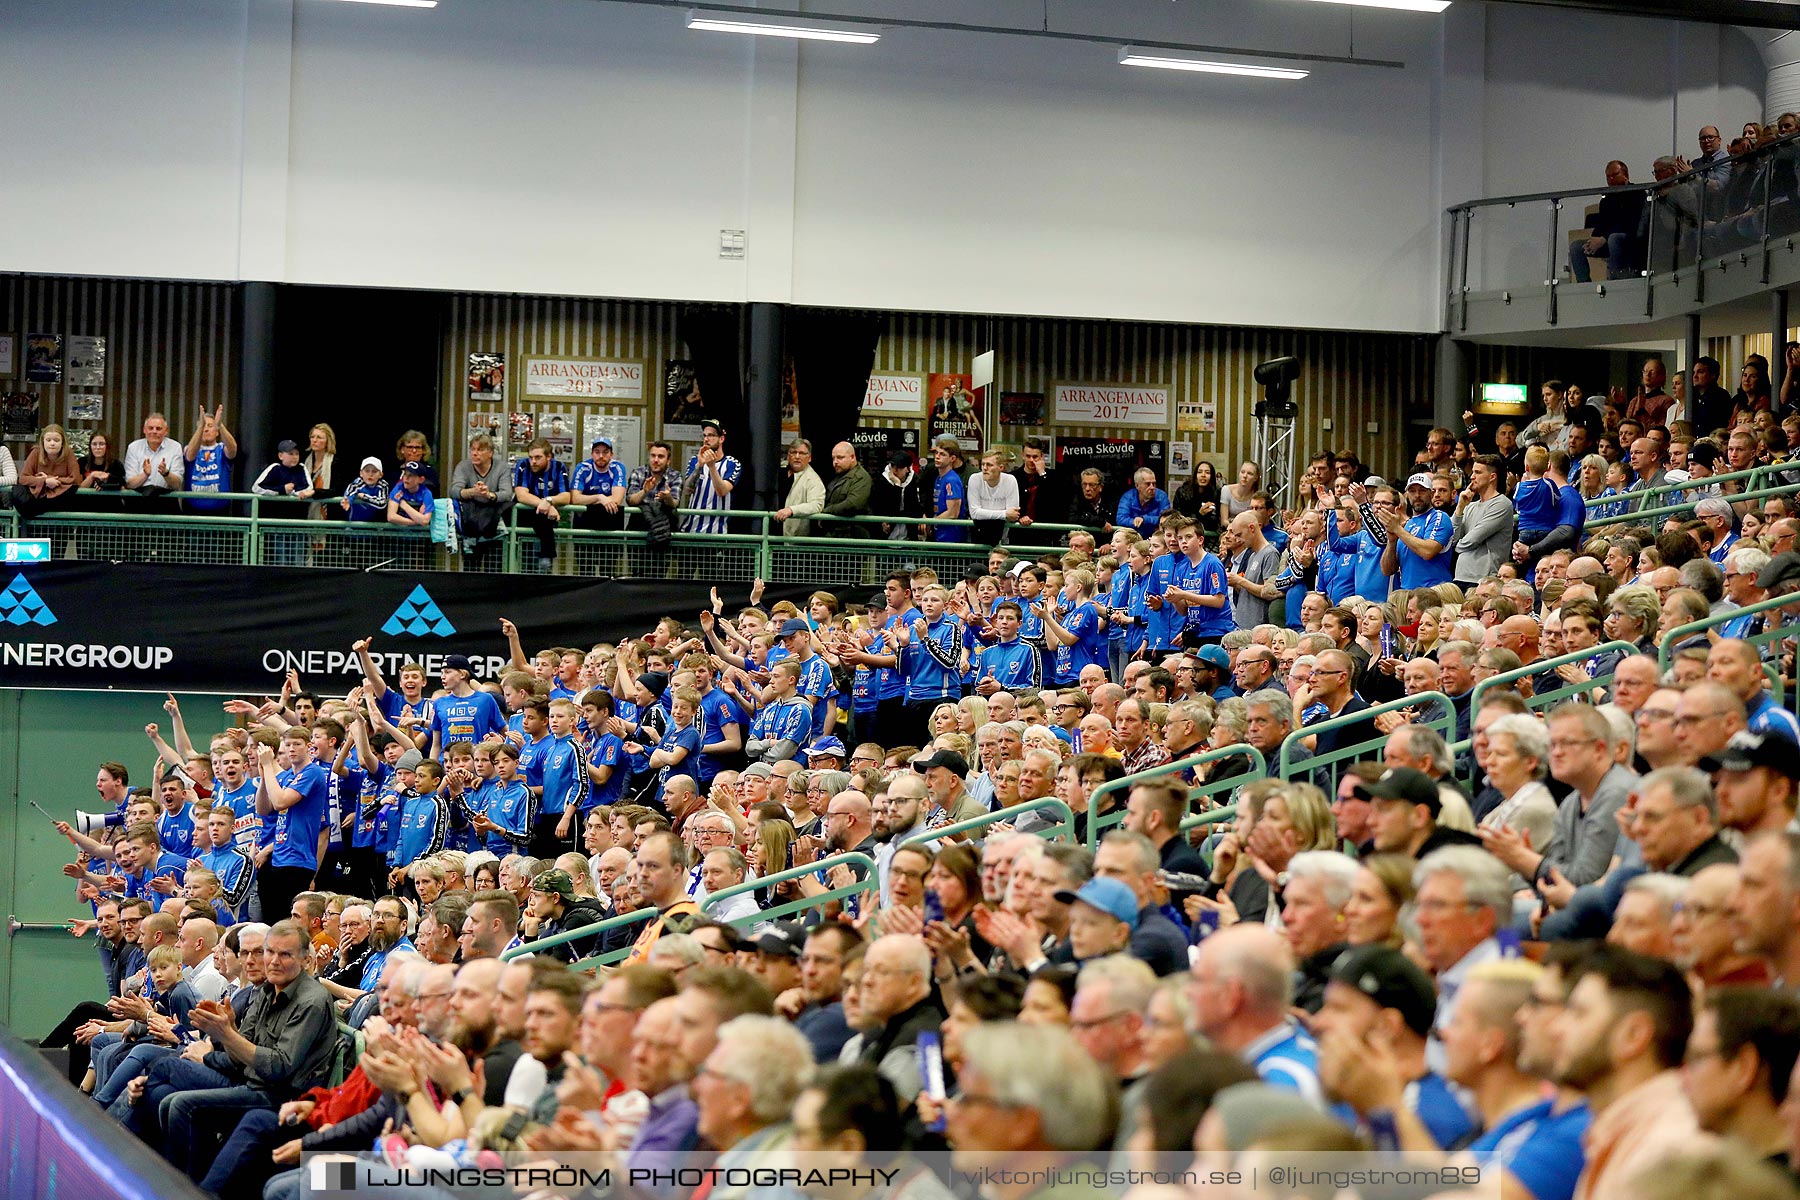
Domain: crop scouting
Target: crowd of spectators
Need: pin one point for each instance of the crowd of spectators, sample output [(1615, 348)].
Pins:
[(1563, 932), (1726, 197)]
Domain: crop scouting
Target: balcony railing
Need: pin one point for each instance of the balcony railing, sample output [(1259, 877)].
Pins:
[(1740, 217)]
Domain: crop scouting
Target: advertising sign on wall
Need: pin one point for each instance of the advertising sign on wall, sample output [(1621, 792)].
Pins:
[(587, 378), (895, 394), (1110, 404)]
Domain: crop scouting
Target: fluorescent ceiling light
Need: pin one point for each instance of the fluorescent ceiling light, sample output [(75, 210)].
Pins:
[(1131, 56), (1424, 6), (716, 22), (398, 3)]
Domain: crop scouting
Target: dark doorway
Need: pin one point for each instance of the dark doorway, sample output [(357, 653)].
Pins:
[(363, 361)]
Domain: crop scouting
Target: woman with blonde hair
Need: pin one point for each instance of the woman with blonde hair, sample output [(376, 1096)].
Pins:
[(1383, 889), (971, 714), (50, 475), (321, 452)]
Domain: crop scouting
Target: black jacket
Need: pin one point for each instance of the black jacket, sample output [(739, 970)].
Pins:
[(582, 912)]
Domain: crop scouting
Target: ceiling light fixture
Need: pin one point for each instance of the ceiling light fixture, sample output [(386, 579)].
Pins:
[(1424, 6), (398, 3), (1131, 56), (716, 22)]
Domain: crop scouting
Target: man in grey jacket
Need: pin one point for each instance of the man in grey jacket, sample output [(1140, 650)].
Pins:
[(1484, 523)]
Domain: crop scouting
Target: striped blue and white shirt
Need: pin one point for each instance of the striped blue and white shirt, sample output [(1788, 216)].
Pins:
[(698, 492)]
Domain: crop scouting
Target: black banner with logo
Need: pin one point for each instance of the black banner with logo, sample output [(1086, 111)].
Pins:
[(238, 630)]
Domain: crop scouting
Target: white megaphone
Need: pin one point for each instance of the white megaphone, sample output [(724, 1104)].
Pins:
[(92, 824)]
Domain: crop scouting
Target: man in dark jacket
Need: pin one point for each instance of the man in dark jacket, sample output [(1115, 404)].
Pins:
[(1088, 506), (899, 492), (1614, 233), (897, 999), (558, 910), (847, 495)]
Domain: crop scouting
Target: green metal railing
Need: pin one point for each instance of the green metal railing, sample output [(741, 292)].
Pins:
[(1687, 509), (1690, 485), (1096, 824), (1542, 700), (642, 916), (1665, 648), (1288, 768), (868, 883), (1065, 826), (257, 530)]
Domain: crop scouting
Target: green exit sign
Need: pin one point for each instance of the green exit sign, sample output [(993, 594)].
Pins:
[(1503, 399)]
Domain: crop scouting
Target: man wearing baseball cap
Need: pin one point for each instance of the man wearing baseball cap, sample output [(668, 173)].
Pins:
[(1754, 778), (775, 955), (1379, 1005), (825, 754), (1405, 808), (558, 910), (816, 685), (1102, 914), (945, 772), (1217, 661), (1418, 547), (599, 485)]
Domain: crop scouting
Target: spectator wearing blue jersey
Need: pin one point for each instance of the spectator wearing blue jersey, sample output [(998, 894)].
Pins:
[(1198, 588), (721, 723), (1263, 506), (606, 769), (1735, 665), (565, 784), (1365, 546), (465, 715), (816, 686), (1377, 1002), (948, 493), (506, 821), (1243, 989), (293, 806), (678, 753), (366, 499), (175, 823), (424, 823), (210, 453), (229, 863), (1418, 548), (410, 505), (1142, 507), (710, 478), (1010, 664), (599, 484), (782, 724), (1077, 637), (930, 662), (541, 484)]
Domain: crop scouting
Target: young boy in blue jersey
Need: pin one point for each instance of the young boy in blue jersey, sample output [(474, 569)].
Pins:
[(1078, 636), (721, 722), (947, 492), (408, 708), (565, 781), (679, 751), (877, 648), (175, 823), (152, 873), (230, 864), (1197, 589), (293, 805), (204, 896), (505, 826), (783, 724), (366, 498), (210, 453), (1009, 664), (605, 752), (816, 684), (235, 792), (930, 661), (424, 823)]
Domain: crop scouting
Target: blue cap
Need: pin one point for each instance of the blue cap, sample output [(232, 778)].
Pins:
[(602, 441), (1217, 656), (794, 625), (1109, 896), (829, 744)]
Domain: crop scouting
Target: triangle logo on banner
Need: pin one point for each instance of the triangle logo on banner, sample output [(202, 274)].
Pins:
[(21, 605), (418, 615)]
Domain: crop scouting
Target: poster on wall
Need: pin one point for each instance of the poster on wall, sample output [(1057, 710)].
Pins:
[(1022, 408), (626, 432), (683, 405), (489, 422), (877, 447), (559, 430), (6, 356), (520, 429), (1110, 404), (86, 366), (1115, 458), (79, 441), (487, 376), (1209, 417), (87, 406), (955, 411), (1181, 461), (44, 358), (621, 380), (1187, 416), (894, 394), (19, 416)]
